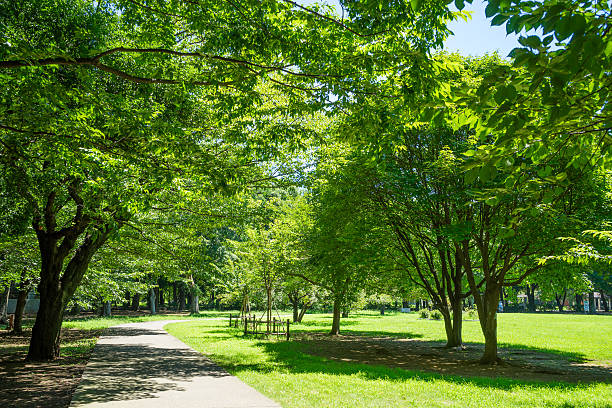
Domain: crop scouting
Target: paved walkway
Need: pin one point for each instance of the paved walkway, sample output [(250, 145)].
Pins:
[(141, 365)]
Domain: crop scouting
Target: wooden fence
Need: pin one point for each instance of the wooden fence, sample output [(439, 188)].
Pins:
[(253, 325)]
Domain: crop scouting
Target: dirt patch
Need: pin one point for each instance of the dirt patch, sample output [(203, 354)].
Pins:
[(412, 354), (49, 384)]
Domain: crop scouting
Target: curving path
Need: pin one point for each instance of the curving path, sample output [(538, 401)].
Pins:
[(141, 365)]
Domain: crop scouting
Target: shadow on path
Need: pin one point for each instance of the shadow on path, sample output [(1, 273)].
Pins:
[(140, 364)]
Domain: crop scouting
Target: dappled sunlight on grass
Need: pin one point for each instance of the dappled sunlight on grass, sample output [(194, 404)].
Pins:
[(285, 372)]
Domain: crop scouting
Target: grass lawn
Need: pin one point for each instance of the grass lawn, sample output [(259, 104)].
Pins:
[(285, 372), (581, 336)]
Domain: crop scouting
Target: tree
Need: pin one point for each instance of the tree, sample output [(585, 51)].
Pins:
[(419, 198), (346, 243)]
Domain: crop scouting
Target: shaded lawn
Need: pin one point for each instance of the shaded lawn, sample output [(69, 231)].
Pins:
[(580, 337), (289, 372)]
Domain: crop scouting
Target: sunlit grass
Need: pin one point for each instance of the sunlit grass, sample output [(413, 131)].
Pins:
[(285, 373)]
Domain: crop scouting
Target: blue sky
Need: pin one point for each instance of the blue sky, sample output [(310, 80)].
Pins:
[(475, 37)]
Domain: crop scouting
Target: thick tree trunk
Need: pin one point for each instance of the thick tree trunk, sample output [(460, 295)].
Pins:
[(195, 304), (453, 324), (488, 323), (126, 302), (22, 298), (136, 302), (592, 308), (296, 311), (578, 300), (175, 294), (4, 304), (156, 290), (46, 331), (305, 307), (604, 302), (561, 300), (531, 297), (181, 298), (335, 330), (107, 308), (161, 302), (382, 309), (152, 301), (59, 279)]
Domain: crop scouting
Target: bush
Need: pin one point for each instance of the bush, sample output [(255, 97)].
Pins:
[(423, 314), (435, 315)]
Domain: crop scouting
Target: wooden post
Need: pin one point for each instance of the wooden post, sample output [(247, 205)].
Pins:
[(230, 320), (288, 323), (273, 325), (246, 324)]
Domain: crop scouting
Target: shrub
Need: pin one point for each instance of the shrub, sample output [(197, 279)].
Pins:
[(471, 314), (435, 315), (423, 314)]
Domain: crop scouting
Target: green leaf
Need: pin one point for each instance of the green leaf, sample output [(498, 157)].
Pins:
[(499, 20), (492, 8), (471, 175), (486, 173)]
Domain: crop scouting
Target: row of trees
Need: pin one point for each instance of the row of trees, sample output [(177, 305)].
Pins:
[(142, 138)]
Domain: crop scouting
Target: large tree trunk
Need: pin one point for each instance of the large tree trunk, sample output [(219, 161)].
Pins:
[(453, 324), (604, 302), (561, 300), (531, 297), (296, 311), (107, 308), (194, 306), (4, 304), (127, 299), (22, 298), (175, 294), (136, 302), (180, 305), (160, 294), (335, 330), (46, 331), (578, 300), (305, 307), (56, 288), (488, 323), (152, 301)]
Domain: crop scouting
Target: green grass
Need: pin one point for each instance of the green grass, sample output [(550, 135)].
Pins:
[(285, 373)]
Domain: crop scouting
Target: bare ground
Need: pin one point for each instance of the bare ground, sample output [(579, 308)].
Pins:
[(411, 354), (46, 384)]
